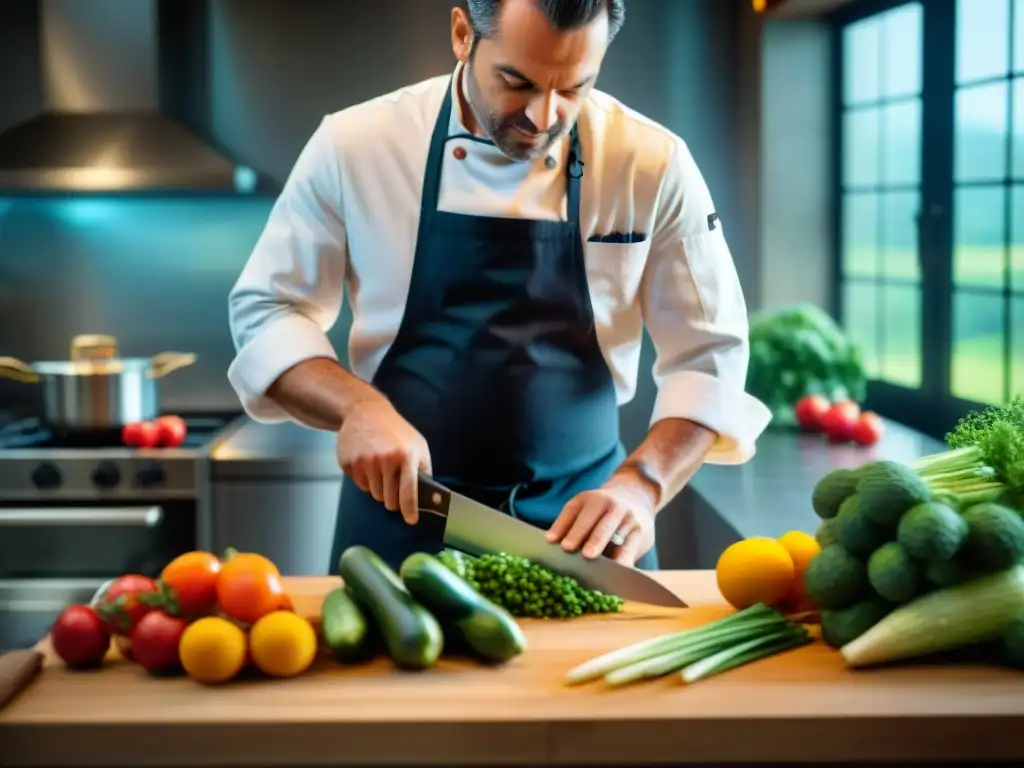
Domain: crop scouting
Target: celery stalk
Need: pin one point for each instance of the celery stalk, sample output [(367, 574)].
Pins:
[(694, 650), (952, 618)]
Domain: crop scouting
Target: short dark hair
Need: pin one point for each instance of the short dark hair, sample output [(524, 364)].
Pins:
[(564, 15)]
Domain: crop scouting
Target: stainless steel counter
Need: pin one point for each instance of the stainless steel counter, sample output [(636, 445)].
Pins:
[(250, 449), (771, 494)]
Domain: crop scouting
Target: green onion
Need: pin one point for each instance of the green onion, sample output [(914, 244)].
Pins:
[(658, 646), (750, 634), (951, 618), (694, 650), (745, 653)]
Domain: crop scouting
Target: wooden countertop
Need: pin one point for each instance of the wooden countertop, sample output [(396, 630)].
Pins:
[(803, 706)]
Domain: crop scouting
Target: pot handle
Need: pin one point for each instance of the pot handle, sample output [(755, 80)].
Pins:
[(167, 362), (94, 346), (14, 369)]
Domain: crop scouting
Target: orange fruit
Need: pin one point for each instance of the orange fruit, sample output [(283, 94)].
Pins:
[(802, 548), (212, 650), (282, 644), (755, 570)]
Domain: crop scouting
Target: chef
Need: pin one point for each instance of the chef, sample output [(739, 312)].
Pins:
[(504, 235)]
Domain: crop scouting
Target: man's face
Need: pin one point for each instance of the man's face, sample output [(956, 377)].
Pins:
[(527, 83)]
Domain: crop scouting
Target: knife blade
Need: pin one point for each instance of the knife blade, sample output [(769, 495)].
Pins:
[(477, 529)]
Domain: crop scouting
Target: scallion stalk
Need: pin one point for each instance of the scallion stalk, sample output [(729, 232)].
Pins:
[(693, 650), (740, 656), (647, 649), (751, 650)]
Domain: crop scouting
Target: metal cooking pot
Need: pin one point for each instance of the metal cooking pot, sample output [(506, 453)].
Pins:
[(97, 388)]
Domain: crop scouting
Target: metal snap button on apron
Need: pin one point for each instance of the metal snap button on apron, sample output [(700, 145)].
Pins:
[(550, 162), (459, 153)]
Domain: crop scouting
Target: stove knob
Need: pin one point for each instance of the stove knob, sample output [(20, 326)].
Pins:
[(150, 474), (46, 477), (107, 475)]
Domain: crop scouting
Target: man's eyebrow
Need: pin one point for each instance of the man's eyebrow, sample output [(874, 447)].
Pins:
[(515, 73)]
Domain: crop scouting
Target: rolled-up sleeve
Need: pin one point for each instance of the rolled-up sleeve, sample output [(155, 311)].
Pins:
[(696, 316), (290, 292)]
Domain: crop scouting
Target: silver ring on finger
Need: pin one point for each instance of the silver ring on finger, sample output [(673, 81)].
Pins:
[(619, 537)]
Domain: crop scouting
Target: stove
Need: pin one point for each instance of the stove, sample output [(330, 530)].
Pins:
[(79, 509), (37, 462)]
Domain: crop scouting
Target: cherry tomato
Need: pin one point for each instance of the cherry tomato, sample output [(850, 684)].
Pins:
[(155, 642), (140, 434), (868, 429), (249, 587), (191, 583), (810, 410), (80, 637), (840, 420), (171, 431), (126, 600)]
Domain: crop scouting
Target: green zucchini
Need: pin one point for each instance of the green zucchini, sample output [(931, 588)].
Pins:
[(346, 628), (470, 621), (412, 635)]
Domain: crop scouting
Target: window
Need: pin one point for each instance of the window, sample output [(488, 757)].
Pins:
[(881, 191), (930, 204), (987, 353)]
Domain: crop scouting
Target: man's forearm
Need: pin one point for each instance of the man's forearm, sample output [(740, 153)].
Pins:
[(320, 393), (671, 454)]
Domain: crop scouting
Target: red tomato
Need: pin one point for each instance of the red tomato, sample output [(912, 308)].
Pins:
[(249, 587), (126, 600), (155, 642), (131, 434), (80, 637), (840, 420), (171, 431), (868, 429), (810, 410), (191, 581), (140, 434)]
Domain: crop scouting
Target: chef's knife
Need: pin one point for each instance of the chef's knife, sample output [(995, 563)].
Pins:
[(477, 529)]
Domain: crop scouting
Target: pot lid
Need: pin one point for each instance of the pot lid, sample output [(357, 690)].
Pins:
[(92, 367), (93, 354)]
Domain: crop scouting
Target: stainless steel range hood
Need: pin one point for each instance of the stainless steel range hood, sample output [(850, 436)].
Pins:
[(124, 105)]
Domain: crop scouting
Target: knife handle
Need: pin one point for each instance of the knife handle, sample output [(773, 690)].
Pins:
[(433, 497)]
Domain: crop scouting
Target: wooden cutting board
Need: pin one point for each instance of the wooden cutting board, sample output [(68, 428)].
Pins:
[(804, 705)]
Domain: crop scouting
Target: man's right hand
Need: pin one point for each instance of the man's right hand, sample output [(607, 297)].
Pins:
[(383, 454)]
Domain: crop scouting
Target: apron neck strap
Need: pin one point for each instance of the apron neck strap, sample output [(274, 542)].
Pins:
[(435, 158)]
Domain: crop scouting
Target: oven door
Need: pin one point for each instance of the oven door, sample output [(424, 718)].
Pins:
[(52, 557)]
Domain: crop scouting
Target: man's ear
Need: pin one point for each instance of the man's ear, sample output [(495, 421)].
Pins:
[(462, 35)]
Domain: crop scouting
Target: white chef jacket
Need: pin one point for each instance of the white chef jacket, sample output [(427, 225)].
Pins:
[(347, 220)]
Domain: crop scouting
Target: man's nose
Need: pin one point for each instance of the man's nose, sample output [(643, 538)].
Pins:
[(543, 111)]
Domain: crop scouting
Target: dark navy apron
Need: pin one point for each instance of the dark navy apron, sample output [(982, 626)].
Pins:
[(497, 364)]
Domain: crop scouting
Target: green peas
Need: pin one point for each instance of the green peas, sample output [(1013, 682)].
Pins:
[(526, 589)]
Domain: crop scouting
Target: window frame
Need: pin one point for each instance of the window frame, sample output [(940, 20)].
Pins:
[(932, 409)]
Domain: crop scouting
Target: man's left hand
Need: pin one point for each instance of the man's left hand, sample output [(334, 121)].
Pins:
[(592, 518)]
